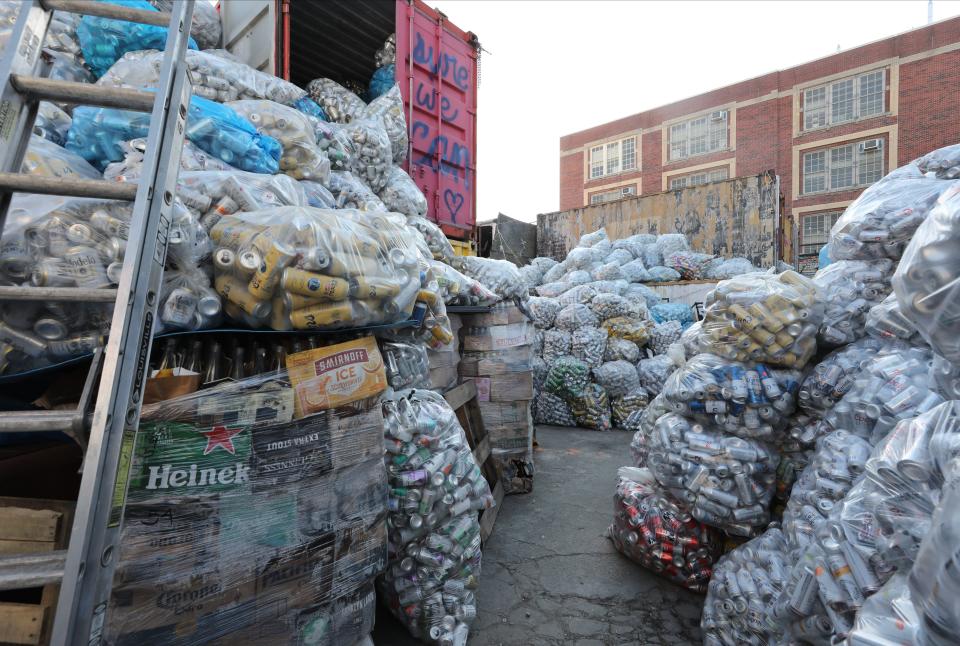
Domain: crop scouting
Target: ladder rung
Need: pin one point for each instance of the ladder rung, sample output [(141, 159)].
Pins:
[(96, 188), (83, 93), (31, 570), (57, 294), (33, 421), (107, 10)]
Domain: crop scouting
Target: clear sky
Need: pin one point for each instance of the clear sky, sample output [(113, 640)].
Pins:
[(556, 67)]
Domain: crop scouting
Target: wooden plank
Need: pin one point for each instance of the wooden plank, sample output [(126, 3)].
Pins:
[(25, 547), (460, 395), (489, 516), (19, 524), (482, 452), (20, 623)]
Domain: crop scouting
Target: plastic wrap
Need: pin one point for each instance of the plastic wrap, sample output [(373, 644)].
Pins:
[(46, 159), (927, 281), (653, 372), (543, 310), (588, 344), (96, 135), (499, 276), (388, 109), (205, 27), (556, 343), (130, 167), (382, 80), (880, 222), (617, 378), (552, 410), (652, 531), (275, 520), (671, 312), (664, 335), (651, 255), (631, 403), (436, 491), (338, 103), (621, 349), (401, 194), (643, 424), (568, 377), (751, 401), (726, 482), (301, 158), (886, 321), (849, 289), (771, 318), (52, 123), (515, 468), (642, 292), (315, 268), (592, 409), (659, 274), (103, 40), (943, 162), (352, 193), (689, 264), (738, 608)]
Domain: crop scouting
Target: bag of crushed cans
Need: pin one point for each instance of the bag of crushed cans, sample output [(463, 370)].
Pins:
[(338, 103), (499, 276), (592, 408), (623, 406), (653, 532), (351, 193), (828, 381), (849, 289), (552, 409), (401, 194)]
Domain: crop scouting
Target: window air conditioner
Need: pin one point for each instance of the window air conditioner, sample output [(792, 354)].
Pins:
[(718, 115), (626, 190), (870, 144)]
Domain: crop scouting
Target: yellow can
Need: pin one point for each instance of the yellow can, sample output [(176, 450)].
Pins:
[(274, 262), (441, 334), (428, 297), (767, 319), (326, 315), (784, 339), (743, 319), (235, 233), (280, 315), (317, 286), (234, 290), (298, 302), (763, 336), (363, 288), (348, 265)]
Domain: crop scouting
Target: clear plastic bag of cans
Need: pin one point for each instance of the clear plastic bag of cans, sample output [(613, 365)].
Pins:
[(829, 380), (619, 256), (581, 258), (608, 306), (214, 78), (617, 378), (886, 321), (187, 302), (318, 195), (651, 255), (771, 318), (593, 238), (635, 244), (579, 294), (539, 368), (890, 616), (664, 335), (205, 27), (575, 316), (635, 272), (568, 377), (944, 162), (690, 339), (621, 349), (459, 289), (850, 288), (653, 372), (552, 289), (588, 344), (689, 264), (305, 268), (340, 104), (653, 532), (46, 159), (192, 158), (436, 492), (738, 608), (556, 343), (436, 240), (927, 280), (637, 292), (370, 160), (660, 274), (104, 40), (96, 135), (946, 376), (592, 409), (401, 194), (301, 158), (387, 54), (623, 406), (642, 424), (606, 271), (729, 268), (388, 108), (556, 272), (881, 222), (670, 243), (631, 329), (747, 400), (543, 310), (52, 123), (552, 410), (499, 276), (671, 312), (407, 365), (533, 273), (726, 481), (351, 193)]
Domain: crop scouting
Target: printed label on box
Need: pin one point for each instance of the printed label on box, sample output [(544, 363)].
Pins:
[(483, 388), (336, 375)]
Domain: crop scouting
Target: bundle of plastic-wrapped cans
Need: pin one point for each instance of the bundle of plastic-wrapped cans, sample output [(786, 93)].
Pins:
[(436, 491), (655, 533), (497, 357), (849, 289)]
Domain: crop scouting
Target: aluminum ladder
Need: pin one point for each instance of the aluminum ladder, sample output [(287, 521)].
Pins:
[(85, 570)]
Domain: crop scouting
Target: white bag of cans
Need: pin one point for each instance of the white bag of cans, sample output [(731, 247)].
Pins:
[(338, 103), (617, 378), (305, 268), (588, 344), (406, 364), (552, 410), (729, 268), (592, 408), (318, 195), (632, 329), (401, 194), (768, 317), (623, 406), (608, 306), (352, 193), (652, 531), (436, 492), (388, 108), (574, 316), (556, 343), (664, 335), (849, 289), (499, 276), (543, 310), (621, 349), (636, 292), (927, 281)]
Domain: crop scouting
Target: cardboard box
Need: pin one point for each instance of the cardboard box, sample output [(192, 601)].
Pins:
[(335, 375), (496, 362), (500, 337), (505, 415), (505, 314), (510, 387)]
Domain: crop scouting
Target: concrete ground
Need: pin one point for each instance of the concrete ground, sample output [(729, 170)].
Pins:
[(551, 577)]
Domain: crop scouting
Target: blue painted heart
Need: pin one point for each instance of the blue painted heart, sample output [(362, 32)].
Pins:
[(454, 202)]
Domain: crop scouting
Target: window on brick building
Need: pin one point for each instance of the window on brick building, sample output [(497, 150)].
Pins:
[(843, 167), (699, 178), (815, 231), (699, 136), (614, 157), (849, 99), (615, 194)]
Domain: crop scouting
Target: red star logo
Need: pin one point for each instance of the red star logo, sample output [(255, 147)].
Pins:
[(220, 436)]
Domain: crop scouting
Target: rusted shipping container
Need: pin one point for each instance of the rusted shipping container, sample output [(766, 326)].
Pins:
[(737, 217)]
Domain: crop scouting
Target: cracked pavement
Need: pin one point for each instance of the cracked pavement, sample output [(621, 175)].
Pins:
[(550, 576)]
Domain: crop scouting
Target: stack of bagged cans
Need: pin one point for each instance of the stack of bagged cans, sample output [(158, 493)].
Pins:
[(497, 356), (443, 362), (256, 509)]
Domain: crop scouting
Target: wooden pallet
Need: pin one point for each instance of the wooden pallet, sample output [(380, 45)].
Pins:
[(29, 525), (463, 400)]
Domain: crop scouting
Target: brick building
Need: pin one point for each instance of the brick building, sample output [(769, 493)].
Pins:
[(828, 128)]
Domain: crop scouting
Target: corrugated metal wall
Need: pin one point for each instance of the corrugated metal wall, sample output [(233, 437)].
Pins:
[(738, 217)]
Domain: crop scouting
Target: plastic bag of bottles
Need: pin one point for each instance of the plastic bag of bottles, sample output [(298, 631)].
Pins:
[(592, 409), (617, 378), (886, 321), (689, 264), (881, 222), (631, 329), (620, 349), (103, 40), (434, 534), (499, 276), (659, 274), (568, 377), (543, 310), (623, 406), (607, 306), (926, 281), (351, 193), (727, 482), (745, 581), (729, 268), (306, 268), (664, 335), (556, 343), (46, 159), (388, 108), (834, 376), (850, 288), (301, 158), (552, 409), (944, 162), (671, 312), (401, 194), (653, 372), (751, 401), (338, 103), (769, 317), (588, 343), (205, 27), (653, 532), (96, 134)]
